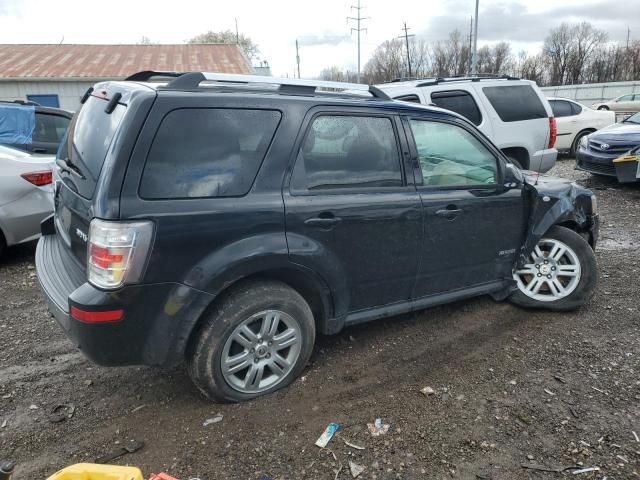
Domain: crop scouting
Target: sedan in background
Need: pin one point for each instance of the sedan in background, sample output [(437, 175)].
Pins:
[(574, 121), (624, 103), (26, 195), (597, 151)]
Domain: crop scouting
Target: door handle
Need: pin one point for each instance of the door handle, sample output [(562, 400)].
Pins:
[(322, 221), (449, 213)]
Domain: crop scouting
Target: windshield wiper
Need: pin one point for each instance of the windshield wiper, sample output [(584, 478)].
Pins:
[(67, 166)]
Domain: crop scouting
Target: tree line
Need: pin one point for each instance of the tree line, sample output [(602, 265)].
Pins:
[(572, 53)]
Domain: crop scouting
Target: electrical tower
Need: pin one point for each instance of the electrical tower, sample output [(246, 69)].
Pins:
[(358, 28), (406, 40)]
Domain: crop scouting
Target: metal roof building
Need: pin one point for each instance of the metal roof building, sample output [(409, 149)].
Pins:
[(58, 75)]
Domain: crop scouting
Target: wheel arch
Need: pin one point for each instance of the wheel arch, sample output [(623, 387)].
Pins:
[(520, 154)]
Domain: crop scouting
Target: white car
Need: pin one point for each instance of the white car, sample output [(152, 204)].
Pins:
[(26, 195), (513, 113), (575, 121)]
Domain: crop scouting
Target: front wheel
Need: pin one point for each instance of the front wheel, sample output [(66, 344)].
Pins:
[(257, 340), (561, 273)]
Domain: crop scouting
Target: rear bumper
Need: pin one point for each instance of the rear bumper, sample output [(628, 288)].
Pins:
[(543, 160), (157, 321), (21, 217)]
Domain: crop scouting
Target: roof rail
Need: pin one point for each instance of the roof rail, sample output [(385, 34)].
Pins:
[(28, 103), (473, 78), (192, 80), (147, 75)]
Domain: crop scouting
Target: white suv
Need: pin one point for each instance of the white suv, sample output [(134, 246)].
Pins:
[(513, 113)]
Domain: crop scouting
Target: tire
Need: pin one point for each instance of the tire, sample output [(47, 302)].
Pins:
[(576, 142), (579, 258), (3, 244), (231, 330), (603, 107)]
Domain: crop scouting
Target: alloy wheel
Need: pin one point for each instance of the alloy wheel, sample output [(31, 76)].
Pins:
[(553, 271), (261, 351)]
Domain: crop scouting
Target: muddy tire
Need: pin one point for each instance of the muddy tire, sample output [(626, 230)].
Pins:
[(560, 274), (256, 340)]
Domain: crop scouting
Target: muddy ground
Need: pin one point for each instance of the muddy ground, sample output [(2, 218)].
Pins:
[(512, 388)]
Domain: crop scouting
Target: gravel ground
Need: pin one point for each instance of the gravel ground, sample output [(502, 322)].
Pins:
[(511, 388)]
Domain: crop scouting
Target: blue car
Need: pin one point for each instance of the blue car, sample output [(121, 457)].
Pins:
[(597, 151)]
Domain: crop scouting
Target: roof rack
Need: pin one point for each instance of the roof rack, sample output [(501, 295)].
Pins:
[(424, 82), (192, 80)]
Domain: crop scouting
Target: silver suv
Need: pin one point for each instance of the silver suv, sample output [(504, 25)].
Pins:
[(513, 113)]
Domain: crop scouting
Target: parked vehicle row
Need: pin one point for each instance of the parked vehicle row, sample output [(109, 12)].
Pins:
[(623, 103), (292, 209)]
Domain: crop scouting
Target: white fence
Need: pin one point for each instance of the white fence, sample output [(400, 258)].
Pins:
[(591, 93)]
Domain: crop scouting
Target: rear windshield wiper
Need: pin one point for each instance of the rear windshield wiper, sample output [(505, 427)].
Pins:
[(67, 166)]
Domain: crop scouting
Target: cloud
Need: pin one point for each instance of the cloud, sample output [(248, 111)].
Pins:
[(323, 39), (514, 21)]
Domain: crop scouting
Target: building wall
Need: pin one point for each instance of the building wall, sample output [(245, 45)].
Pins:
[(588, 94), (69, 93)]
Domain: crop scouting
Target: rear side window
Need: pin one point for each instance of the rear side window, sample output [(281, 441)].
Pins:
[(575, 108), (49, 128), (342, 151), (460, 102), (207, 152), (561, 108), (515, 103)]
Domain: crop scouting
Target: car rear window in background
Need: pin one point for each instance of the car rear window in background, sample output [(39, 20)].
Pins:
[(561, 108), (49, 128), (207, 152), (514, 103), (408, 98), (460, 102)]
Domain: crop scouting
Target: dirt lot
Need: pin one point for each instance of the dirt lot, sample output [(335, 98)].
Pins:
[(511, 387)]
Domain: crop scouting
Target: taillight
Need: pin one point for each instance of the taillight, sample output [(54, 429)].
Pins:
[(553, 132), (117, 252), (40, 178)]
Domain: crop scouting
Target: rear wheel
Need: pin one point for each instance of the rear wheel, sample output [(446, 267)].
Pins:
[(576, 142), (603, 107), (257, 340), (561, 273), (3, 244)]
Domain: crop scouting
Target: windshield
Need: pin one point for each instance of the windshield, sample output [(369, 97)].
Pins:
[(635, 118)]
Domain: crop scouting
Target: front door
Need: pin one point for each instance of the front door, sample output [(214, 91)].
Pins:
[(473, 225), (351, 215)]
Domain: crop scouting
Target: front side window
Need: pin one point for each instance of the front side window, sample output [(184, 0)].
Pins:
[(207, 152), (451, 156), (341, 151), (458, 101), (49, 128)]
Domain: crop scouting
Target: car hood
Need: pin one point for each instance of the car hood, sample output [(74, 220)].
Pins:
[(619, 132)]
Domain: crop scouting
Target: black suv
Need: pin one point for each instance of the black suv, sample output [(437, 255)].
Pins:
[(49, 128), (224, 220)]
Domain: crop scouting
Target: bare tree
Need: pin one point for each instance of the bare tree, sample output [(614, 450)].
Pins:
[(250, 48)]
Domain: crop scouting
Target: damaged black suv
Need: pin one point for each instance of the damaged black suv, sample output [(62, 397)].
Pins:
[(224, 220)]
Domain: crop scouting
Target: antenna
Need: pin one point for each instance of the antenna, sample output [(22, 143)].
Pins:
[(406, 39), (358, 19)]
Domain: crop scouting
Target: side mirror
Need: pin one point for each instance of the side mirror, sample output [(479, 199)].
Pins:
[(513, 177)]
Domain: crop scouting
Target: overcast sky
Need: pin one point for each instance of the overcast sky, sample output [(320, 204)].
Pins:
[(320, 26)]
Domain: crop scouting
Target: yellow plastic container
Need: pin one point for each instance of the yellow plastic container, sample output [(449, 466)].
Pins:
[(93, 471)]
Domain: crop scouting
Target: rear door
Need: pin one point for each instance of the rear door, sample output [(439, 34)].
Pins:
[(473, 225), (351, 211), (48, 133)]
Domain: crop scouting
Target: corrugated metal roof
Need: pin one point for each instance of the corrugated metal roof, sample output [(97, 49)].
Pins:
[(117, 61)]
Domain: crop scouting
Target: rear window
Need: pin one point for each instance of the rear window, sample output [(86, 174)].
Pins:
[(92, 131), (515, 103), (207, 152), (408, 98), (460, 102)]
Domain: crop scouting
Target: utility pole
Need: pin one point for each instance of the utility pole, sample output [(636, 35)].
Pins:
[(474, 62), (297, 58), (406, 40), (237, 34), (628, 35), (358, 19), (470, 40)]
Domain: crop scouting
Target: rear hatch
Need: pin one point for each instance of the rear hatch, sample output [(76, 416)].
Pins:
[(90, 150)]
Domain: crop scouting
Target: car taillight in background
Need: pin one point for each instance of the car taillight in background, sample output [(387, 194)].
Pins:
[(40, 178), (117, 252), (553, 131)]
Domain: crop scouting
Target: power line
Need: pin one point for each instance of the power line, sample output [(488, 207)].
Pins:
[(358, 19), (406, 39)]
